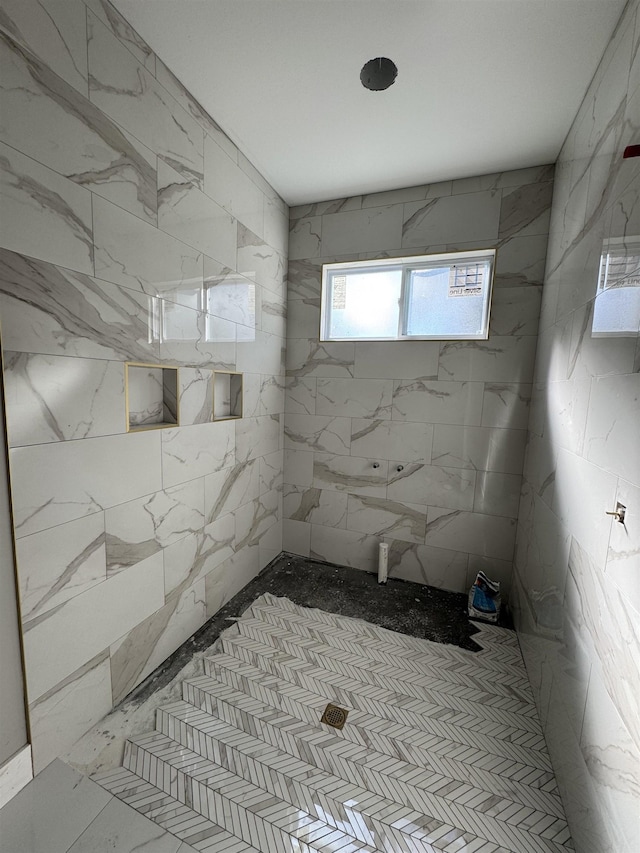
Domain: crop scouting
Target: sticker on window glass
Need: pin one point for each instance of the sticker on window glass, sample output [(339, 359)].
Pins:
[(466, 280), (339, 293)]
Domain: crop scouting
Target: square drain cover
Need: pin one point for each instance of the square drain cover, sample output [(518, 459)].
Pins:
[(334, 716)]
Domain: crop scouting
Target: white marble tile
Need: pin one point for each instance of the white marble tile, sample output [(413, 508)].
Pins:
[(409, 194), (257, 437), (273, 313), (515, 311), (196, 395), (611, 435), (623, 554), (186, 100), (320, 208), (568, 402), (125, 33), (398, 440), (271, 472), (119, 827), (55, 32), (227, 184), (469, 217), (254, 520), (486, 535), (479, 448), (195, 338), (432, 485), (315, 432), (50, 310), (136, 255), (296, 537), (138, 529), (437, 402), (51, 647), (303, 317), (351, 474), (317, 506), (500, 359), (344, 547), (390, 518), (525, 209), (128, 93), (315, 358), (506, 405), (303, 278), (583, 492), (230, 577), (43, 214), (259, 262), (276, 224), (230, 295), (613, 761), (439, 567), (229, 489), (552, 361), (298, 467), (500, 180), (305, 238), (195, 451), (497, 494), (135, 655), (61, 716), (520, 261), (263, 353), (58, 399), (396, 360), (52, 811), (83, 477), (60, 563), (357, 398), (595, 354), (193, 556), (540, 466), (271, 395), (50, 121), (372, 230), (193, 218)]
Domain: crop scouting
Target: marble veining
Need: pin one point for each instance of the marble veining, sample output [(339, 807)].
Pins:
[(79, 141), (51, 310)]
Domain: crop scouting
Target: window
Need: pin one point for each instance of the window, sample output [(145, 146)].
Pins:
[(419, 298)]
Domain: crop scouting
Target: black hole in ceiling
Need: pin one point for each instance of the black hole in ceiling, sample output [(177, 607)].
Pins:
[(378, 74)]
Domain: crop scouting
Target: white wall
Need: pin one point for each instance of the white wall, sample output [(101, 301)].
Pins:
[(453, 414), (123, 202), (577, 572)]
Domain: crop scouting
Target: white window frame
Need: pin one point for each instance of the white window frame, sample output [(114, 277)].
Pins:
[(408, 265)]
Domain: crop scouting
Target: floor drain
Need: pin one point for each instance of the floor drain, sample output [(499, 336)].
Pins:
[(334, 716)]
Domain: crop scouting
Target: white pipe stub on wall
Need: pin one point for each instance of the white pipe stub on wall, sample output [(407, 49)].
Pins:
[(383, 561)]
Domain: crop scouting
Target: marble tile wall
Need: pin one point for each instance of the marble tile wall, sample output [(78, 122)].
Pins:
[(444, 423), (576, 570), (132, 229)]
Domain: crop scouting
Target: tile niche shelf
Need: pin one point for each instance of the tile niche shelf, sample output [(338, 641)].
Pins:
[(151, 396), (227, 395)]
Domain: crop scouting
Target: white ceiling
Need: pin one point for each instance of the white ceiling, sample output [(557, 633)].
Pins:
[(483, 85)]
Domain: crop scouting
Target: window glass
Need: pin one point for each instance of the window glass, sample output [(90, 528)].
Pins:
[(434, 296)]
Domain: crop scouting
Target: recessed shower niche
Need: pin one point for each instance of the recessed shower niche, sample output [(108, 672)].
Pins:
[(151, 396), (227, 395)]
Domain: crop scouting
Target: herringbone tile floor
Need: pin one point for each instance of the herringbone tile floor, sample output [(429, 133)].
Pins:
[(442, 749)]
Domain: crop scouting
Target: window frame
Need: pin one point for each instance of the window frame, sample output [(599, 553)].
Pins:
[(407, 264)]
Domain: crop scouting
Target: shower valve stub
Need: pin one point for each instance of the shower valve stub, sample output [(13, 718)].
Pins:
[(619, 512)]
